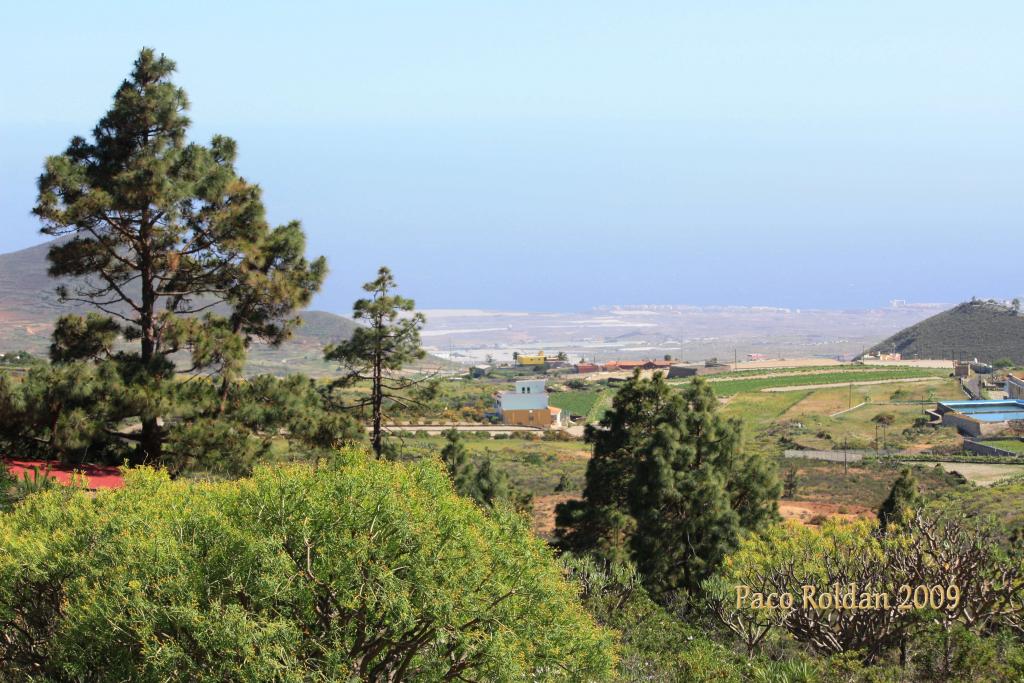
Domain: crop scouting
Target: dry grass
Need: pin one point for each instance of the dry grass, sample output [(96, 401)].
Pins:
[(807, 512), (983, 474)]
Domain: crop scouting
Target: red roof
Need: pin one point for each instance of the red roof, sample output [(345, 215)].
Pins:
[(96, 476), (623, 364), (633, 364)]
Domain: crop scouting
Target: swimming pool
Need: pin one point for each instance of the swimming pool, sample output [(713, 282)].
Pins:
[(988, 411)]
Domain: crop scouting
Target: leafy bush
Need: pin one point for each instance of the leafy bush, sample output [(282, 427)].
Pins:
[(557, 435), (936, 546), (357, 570)]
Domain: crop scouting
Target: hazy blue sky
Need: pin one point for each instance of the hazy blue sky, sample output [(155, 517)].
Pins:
[(560, 155)]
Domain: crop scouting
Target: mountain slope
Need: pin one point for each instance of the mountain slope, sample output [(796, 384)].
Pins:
[(985, 330), (29, 307), (26, 291)]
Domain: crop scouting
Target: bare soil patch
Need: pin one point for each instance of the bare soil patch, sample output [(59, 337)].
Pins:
[(544, 512), (809, 512)]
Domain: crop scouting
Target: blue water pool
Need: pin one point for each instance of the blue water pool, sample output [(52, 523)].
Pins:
[(988, 411)]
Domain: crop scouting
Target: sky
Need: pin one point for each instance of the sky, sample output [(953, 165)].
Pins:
[(564, 155)]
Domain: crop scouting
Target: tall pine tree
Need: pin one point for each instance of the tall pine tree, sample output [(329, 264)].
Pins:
[(378, 351), (602, 521), (668, 485), (172, 247), (694, 491)]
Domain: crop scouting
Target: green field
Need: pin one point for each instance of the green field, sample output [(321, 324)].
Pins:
[(1006, 445), (821, 419), (576, 402), (729, 387), (759, 411), (739, 374)]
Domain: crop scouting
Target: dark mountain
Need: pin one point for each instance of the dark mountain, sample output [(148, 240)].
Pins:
[(986, 330)]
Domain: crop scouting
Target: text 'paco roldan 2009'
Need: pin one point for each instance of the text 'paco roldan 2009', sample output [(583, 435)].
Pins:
[(851, 597)]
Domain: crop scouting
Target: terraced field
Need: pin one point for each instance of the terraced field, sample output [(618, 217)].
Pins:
[(801, 370), (726, 386), (1007, 445)]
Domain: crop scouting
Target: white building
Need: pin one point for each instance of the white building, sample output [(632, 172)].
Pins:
[(527, 405)]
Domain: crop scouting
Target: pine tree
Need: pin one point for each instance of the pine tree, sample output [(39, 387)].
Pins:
[(902, 502), (492, 485), (456, 460), (378, 352), (276, 281), (790, 483), (158, 234), (694, 491), (602, 521), (668, 485)]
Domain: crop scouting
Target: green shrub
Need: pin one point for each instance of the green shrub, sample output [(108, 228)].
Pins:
[(361, 569), (534, 459)]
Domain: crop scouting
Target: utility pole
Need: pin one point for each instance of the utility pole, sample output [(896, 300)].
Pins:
[(850, 407), (846, 463)]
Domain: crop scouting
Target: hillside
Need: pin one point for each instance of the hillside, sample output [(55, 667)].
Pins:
[(26, 291), (29, 307), (985, 330)]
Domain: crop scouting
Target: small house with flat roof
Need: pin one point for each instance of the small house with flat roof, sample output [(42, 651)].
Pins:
[(527, 406)]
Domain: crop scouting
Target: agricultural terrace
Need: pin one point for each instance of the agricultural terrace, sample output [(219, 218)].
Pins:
[(830, 418), (726, 385), (796, 370), (1007, 445)]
